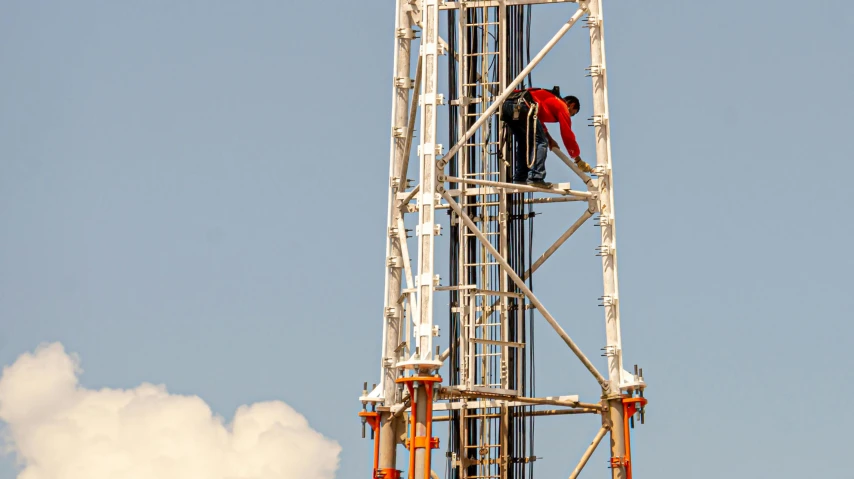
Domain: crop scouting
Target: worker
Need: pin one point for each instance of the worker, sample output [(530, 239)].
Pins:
[(525, 112)]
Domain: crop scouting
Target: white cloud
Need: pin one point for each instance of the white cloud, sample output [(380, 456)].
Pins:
[(60, 430)]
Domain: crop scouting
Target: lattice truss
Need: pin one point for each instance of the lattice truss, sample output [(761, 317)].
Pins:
[(481, 383)]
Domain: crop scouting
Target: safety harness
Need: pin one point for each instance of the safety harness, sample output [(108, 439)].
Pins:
[(525, 109)]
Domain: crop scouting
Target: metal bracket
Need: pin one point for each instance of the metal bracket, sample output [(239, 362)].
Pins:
[(608, 301), (405, 33), (603, 219), (403, 82), (431, 98), (598, 120), (376, 395), (592, 21), (595, 70), (631, 381), (610, 351)]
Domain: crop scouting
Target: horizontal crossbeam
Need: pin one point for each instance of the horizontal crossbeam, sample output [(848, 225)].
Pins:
[(495, 3)]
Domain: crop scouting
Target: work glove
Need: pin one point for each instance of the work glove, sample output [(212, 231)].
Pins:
[(583, 165)]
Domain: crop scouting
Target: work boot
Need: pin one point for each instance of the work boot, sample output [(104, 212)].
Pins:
[(540, 183)]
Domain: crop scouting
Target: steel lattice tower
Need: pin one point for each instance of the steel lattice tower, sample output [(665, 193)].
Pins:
[(479, 385)]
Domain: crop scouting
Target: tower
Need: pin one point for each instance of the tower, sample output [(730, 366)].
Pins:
[(480, 383)]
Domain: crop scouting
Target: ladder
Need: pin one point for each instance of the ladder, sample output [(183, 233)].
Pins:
[(483, 288)]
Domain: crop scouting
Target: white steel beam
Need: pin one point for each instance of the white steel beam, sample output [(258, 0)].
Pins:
[(495, 3), (572, 166), (588, 453), (559, 188), (613, 346), (427, 198), (392, 312), (423, 359), (410, 130), (558, 243)]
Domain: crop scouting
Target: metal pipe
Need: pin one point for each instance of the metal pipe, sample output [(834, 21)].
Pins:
[(513, 186), (413, 108), (391, 325), (588, 453), (601, 123), (405, 201), (572, 166), (519, 78), (557, 244), (561, 412), (404, 406), (527, 400), (493, 3), (524, 288), (407, 268), (419, 429), (553, 199), (546, 412)]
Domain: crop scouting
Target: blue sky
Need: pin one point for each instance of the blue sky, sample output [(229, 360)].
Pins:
[(193, 194)]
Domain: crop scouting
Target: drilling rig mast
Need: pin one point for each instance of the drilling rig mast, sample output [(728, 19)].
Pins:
[(481, 385)]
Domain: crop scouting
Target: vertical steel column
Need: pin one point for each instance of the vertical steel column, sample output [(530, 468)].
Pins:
[(420, 430), (427, 196), (426, 221), (466, 312), (607, 249), (504, 248), (393, 308)]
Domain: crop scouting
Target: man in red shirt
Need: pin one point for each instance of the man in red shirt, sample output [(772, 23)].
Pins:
[(525, 113)]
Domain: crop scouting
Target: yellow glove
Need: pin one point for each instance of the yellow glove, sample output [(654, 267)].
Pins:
[(583, 165)]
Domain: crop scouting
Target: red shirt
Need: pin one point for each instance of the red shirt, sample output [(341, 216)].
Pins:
[(554, 110)]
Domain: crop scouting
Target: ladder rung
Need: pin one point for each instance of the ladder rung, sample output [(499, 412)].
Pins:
[(491, 342)]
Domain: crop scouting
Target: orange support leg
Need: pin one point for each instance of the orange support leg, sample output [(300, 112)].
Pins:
[(631, 405), (427, 442), (373, 419)]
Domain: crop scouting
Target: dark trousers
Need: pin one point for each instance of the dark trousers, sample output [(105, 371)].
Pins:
[(531, 147)]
